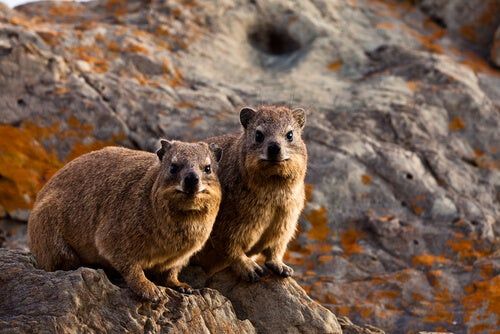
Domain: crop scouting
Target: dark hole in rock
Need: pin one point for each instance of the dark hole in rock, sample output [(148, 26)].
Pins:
[(21, 103), (273, 40), (474, 222), (403, 203), (415, 242), (409, 176), (456, 220)]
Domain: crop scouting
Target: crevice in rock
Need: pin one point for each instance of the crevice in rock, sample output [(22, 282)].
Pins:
[(273, 40)]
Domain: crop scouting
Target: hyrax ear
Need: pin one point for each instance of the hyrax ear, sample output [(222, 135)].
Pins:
[(217, 151), (246, 115), (165, 147), (299, 115)]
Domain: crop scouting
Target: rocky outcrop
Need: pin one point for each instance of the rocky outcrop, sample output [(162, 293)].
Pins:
[(85, 300), (474, 21), (402, 221)]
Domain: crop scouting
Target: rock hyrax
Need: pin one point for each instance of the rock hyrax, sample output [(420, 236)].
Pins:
[(129, 211), (262, 177)]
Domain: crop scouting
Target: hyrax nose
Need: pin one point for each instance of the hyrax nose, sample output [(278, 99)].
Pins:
[(191, 182), (273, 150)]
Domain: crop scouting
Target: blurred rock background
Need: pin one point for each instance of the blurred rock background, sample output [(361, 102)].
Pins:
[(401, 228)]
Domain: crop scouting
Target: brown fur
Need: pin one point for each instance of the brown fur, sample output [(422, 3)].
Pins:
[(261, 201), (122, 209)]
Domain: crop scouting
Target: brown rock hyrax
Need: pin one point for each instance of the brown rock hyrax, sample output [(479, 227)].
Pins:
[(129, 211), (262, 177)]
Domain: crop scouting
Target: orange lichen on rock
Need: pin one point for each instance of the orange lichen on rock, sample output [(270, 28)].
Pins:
[(440, 310), (136, 48), (479, 295), (465, 249), (412, 85), (65, 9), (319, 221), (116, 7), (80, 148), (25, 165), (473, 30), (476, 63), (428, 260), (92, 55), (50, 37), (366, 179), (349, 240), (335, 65), (456, 124)]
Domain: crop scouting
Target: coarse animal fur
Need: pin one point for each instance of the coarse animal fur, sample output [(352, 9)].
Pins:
[(262, 176), (129, 211)]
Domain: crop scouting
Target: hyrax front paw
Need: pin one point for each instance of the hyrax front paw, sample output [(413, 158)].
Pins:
[(148, 292), (251, 271), (279, 268), (182, 288)]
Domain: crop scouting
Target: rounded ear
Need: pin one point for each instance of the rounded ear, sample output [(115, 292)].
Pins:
[(299, 115), (165, 147), (217, 151), (246, 114)]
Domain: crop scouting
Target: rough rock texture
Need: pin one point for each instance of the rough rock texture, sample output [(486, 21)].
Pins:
[(270, 306), (84, 300), (403, 215), (474, 21)]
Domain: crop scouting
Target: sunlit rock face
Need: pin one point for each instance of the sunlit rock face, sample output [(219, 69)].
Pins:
[(402, 217)]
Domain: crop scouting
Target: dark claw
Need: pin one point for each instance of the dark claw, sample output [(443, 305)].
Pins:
[(287, 271), (253, 277), (146, 298), (280, 270), (186, 291)]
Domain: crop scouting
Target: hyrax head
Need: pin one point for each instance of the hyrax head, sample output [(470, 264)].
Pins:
[(273, 140), (188, 169)]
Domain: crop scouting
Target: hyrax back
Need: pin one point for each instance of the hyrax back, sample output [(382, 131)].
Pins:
[(262, 176), (130, 211)]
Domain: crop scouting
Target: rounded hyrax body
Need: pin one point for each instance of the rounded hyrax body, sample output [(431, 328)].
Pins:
[(262, 177), (129, 211)]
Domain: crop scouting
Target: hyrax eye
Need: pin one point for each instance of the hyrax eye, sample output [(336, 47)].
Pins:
[(208, 169), (289, 136), (259, 136), (174, 169)]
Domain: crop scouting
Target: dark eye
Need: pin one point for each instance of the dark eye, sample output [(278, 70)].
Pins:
[(259, 136), (289, 136), (208, 169), (174, 168)]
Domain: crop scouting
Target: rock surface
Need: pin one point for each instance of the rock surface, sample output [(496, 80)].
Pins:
[(403, 215), (84, 300)]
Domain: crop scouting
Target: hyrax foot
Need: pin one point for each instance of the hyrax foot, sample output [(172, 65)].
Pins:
[(182, 288), (279, 268), (148, 292), (250, 271)]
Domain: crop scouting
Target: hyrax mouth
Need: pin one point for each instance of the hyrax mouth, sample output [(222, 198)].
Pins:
[(275, 161)]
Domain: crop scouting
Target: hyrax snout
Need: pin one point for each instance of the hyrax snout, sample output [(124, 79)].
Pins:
[(131, 211)]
